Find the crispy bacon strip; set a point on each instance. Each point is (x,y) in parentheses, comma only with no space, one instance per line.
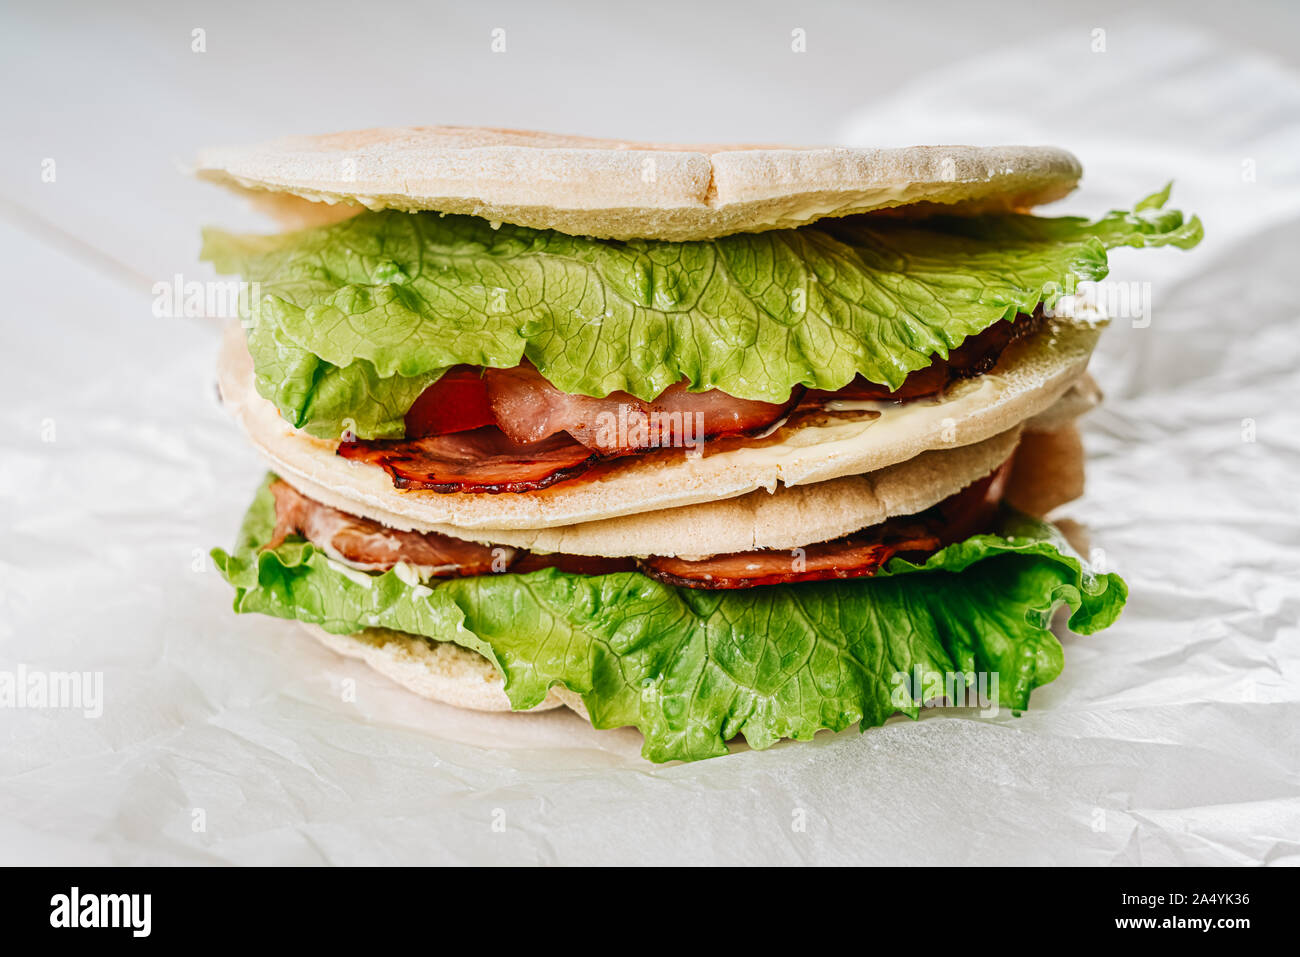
(528,409)
(370,544)
(855,556)
(975,356)
(480,460)
(575,564)
(377,547)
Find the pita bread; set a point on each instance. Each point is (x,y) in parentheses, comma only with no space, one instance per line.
(623,190)
(1082,397)
(294,213)
(1031,376)
(437,670)
(1048,471)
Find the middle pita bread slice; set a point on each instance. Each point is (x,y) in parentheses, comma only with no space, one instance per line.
(1032,374)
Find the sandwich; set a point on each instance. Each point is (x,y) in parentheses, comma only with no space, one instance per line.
(719,443)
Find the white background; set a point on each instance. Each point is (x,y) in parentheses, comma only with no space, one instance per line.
(1171,738)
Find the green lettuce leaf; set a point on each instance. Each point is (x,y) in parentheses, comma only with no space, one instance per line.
(330,401)
(692,669)
(372,309)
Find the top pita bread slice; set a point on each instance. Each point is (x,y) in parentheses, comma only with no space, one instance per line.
(623,190)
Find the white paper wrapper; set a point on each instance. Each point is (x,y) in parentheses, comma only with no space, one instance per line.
(1170,738)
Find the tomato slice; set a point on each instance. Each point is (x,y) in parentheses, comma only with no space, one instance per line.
(457,402)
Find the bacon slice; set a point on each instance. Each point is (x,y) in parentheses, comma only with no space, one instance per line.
(975,356)
(375,547)
(371,545)
(480,460)
(528,409)
(855,556)
(574,564)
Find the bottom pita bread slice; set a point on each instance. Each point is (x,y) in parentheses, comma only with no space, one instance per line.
(438,670)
